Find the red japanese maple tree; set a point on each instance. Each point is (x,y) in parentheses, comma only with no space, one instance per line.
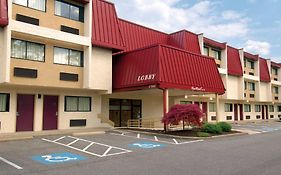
(190,114)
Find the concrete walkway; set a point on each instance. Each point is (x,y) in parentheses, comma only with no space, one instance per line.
(32,134)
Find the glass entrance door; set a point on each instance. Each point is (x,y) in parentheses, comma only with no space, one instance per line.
(121,110)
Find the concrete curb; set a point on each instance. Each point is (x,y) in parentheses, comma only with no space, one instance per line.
(88,133)
(185,137)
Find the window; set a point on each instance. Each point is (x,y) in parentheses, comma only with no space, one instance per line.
(258,108)
(212,107)
(185,102)
(35,4)
(228,117)
(271,116)
(249,63)
(27,50)
(228,107)
(216,54)
(275,90)
(252,64)
(4,102)
(206,51)
(247,108)
(274,71)
(77,104)
(69,11)
(68,57)
(213,118)
(248,117)
(279,108)
(271,108)
(251,86)
(258,117)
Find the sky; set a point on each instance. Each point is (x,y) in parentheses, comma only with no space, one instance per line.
(254,25)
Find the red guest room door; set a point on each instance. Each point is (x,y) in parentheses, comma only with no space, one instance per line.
(25,112)
(50,112)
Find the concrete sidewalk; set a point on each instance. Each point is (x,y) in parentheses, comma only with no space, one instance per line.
(32,134)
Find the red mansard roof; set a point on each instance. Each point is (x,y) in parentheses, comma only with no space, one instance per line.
(233,62)
(273,64)
(214,43)
(106,31)
(251,56)
(164,66)
(137,36)
(185,40)
(3,13)
(264,73)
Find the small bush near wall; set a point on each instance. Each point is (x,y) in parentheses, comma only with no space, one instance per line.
(226,127)
(203,134)
(212,128)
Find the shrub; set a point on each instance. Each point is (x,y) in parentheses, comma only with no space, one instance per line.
(226,127)
(202,134)
(212,128)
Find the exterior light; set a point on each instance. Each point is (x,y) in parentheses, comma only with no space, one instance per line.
(185,96)
(247,101)
(211,98)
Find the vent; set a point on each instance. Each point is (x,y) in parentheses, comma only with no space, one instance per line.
(27,19)
(27,73)
(228,117)
(69,30)
(258,116)
(252,95)
(271,116)
(68,77)
(276,98)
(248,117)
(275,79)
(78,122)
(213,118)
(251,73)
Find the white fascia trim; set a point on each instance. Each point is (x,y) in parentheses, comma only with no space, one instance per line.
(251,77)
(222,71)
(49,33)
(276,82)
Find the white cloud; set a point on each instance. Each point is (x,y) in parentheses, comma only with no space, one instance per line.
(259,47)
(169,16)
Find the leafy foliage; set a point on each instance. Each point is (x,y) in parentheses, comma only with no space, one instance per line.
(212,128)
(226,127)
(190,114)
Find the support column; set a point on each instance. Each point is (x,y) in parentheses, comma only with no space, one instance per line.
(217,108)
(165,103)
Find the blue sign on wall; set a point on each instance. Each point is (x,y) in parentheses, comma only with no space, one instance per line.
(57,158)
(146,145)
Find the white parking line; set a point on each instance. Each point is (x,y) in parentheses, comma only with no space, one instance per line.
(91,143)
(11,163)
(173,141)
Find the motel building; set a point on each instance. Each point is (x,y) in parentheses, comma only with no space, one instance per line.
(67,64)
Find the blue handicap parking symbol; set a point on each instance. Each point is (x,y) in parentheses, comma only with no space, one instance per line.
(57,158)
(146,145)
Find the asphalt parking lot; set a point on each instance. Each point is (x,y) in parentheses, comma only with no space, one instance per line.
(259,127)
(52,153)
(127,153)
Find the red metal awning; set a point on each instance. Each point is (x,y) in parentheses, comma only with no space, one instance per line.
(264,72)
(163,66)
(106,32)
(3,13)
(234,66)
(251,56)
(214,43)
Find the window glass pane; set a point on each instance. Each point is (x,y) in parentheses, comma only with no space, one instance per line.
(60,55)
(247,108)
(257,108)
(252,86)
(217,54)
(252,65)
(212,107)
(271,108)
(62,9)
(18,49)
(74,13)
(185,102)
(71,104)
(37,4)
(35,51)
(20,2)
(228,107)
(206,51)
(75,58)
(84,104)
(4,103)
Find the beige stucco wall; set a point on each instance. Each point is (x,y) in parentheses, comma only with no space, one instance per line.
(235,87)
(47,19)
(101,69)
(48,72)
(8,119)
(264,92)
